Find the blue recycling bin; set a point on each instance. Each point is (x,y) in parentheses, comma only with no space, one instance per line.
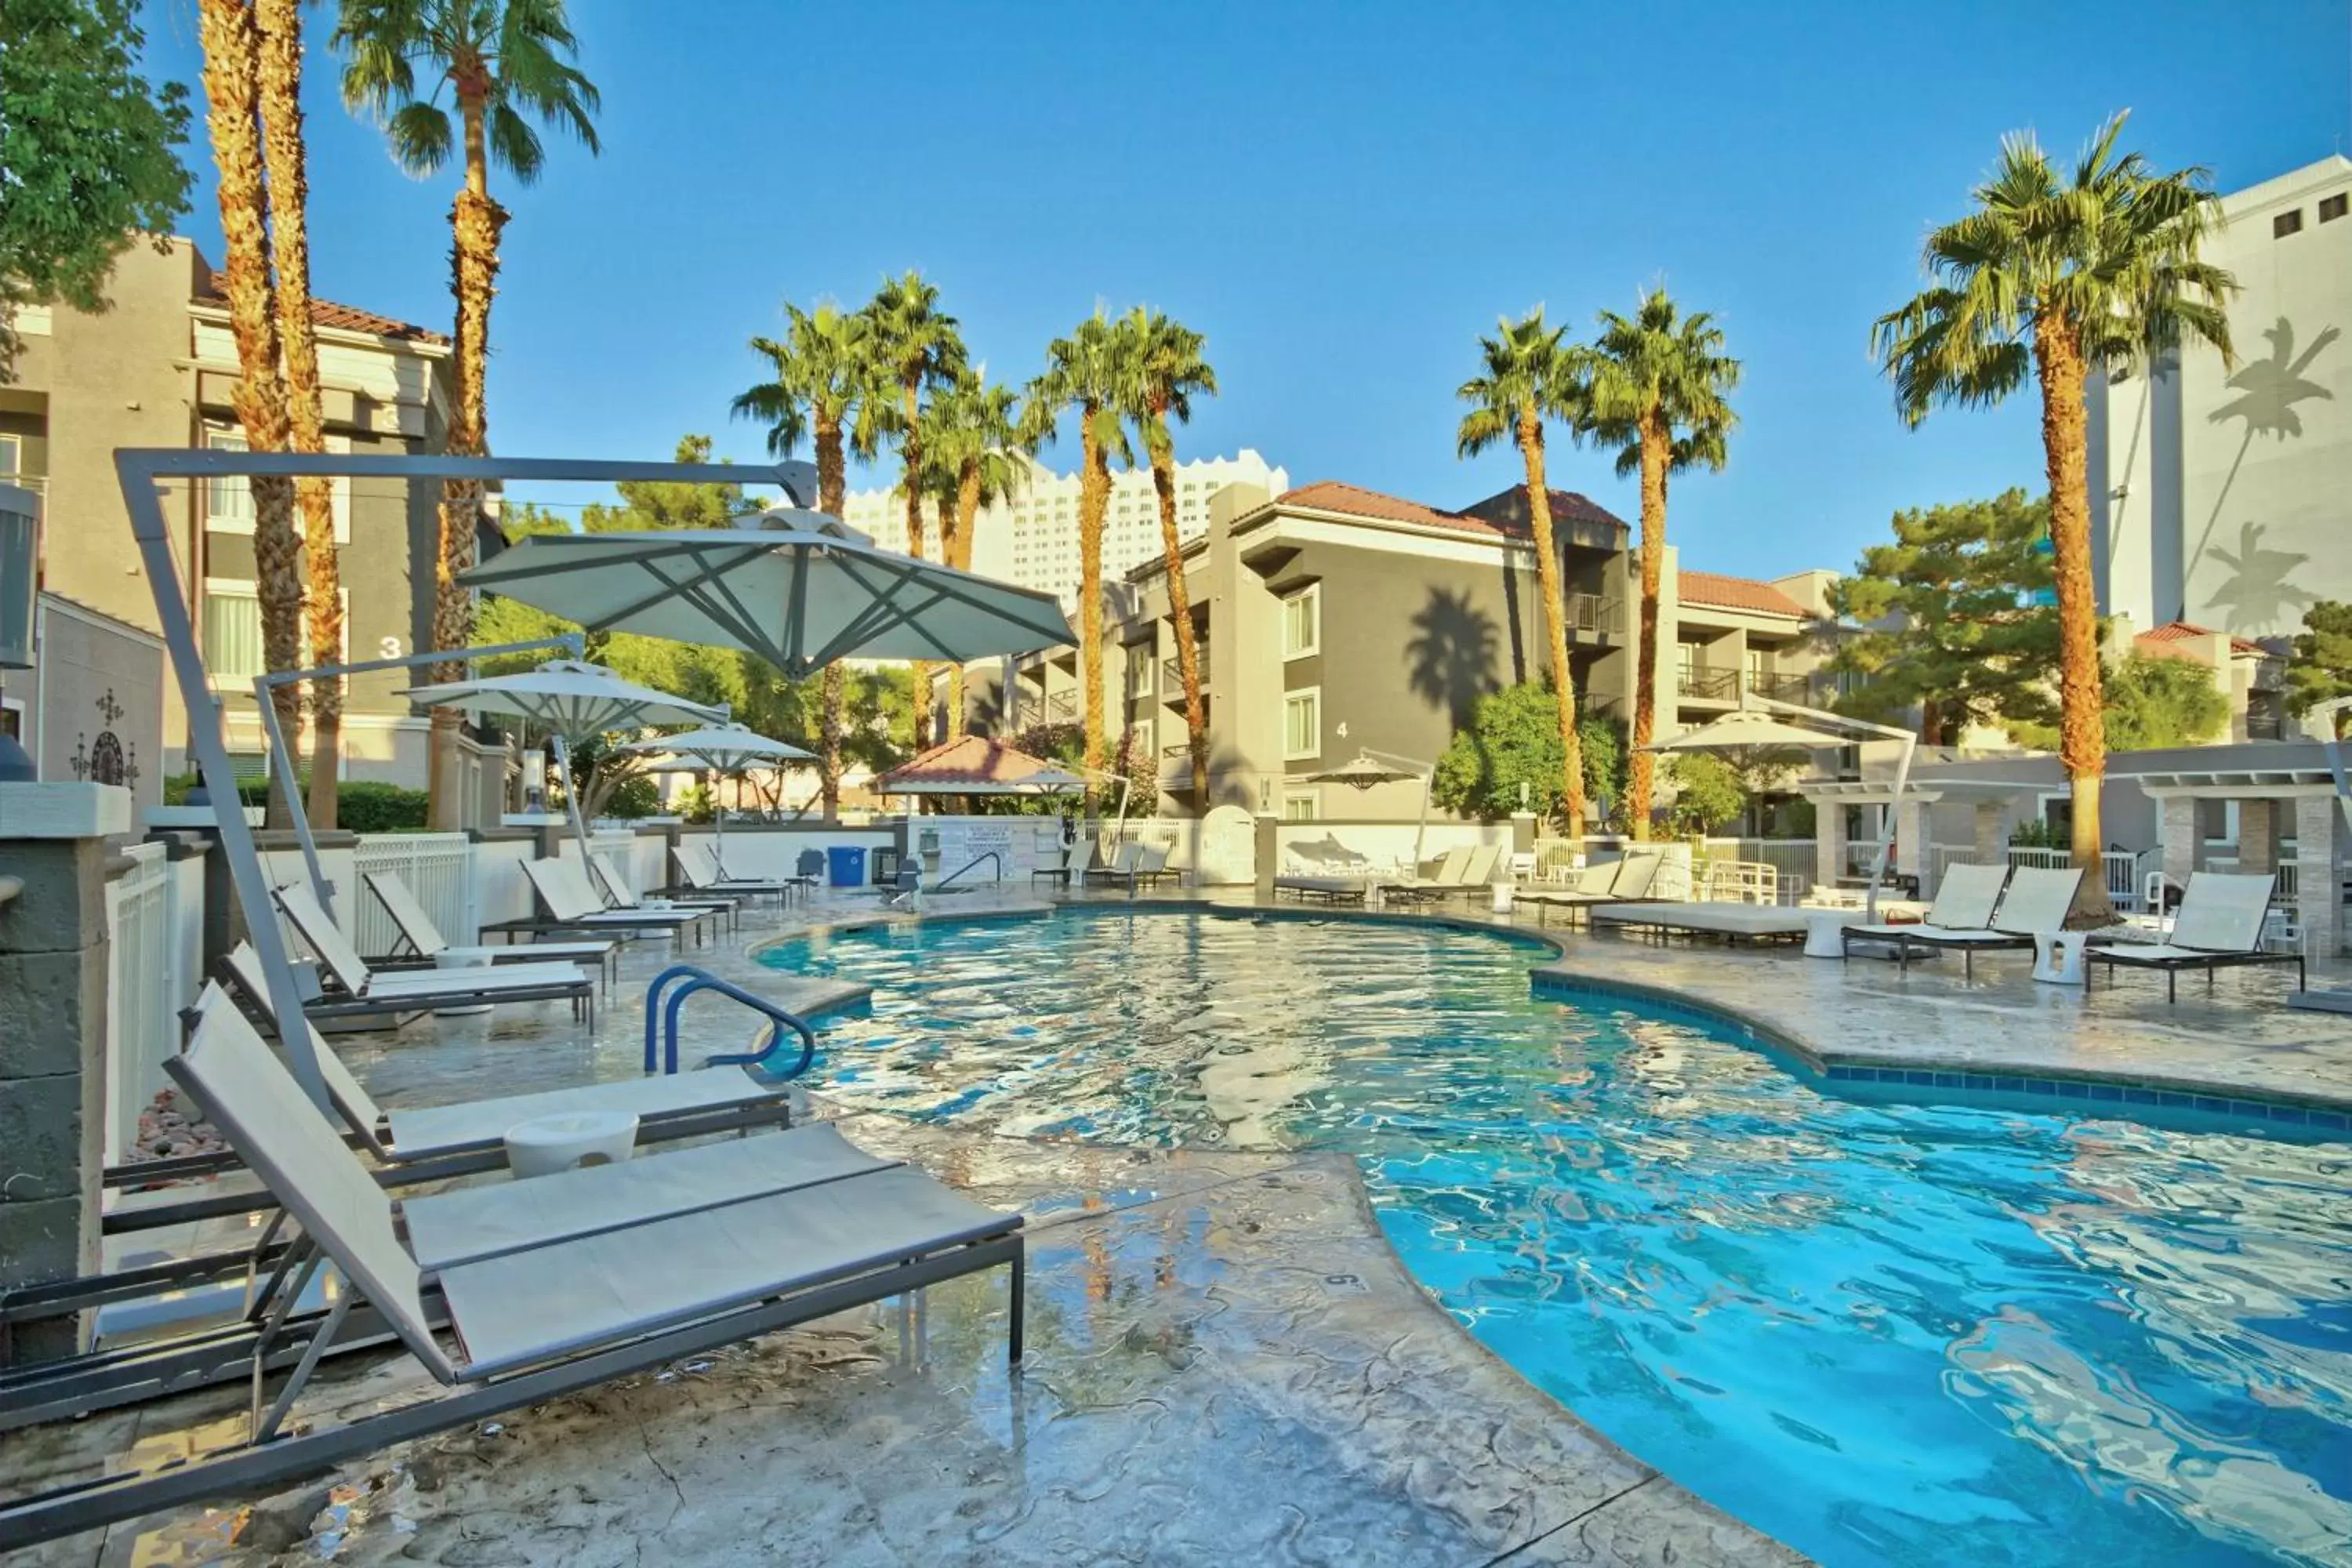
(846,865)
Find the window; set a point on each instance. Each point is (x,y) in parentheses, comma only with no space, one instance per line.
(2332,207)
(12,454)
(232,632)
(1301,805)
(2287,223)
(1302,724)
(228,502)
(1140,669)
(1302,622)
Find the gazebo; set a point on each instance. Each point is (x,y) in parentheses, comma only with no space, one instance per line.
(975,764)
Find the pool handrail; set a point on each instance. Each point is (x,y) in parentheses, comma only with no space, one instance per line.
(680,981)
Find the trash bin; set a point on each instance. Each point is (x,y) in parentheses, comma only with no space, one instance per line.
(846,865)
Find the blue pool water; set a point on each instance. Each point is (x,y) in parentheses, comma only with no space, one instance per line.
(1884,1332)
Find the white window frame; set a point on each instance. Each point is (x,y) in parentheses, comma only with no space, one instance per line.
(1151,662)
(1313,694)
(1310,797)
(248,589)
(12,454)
(1310,594)
(229,438)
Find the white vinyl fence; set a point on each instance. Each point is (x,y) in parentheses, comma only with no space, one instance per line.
(143,989)
(439,868)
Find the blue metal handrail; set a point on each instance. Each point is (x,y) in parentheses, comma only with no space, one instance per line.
(663,1011)
(944,883)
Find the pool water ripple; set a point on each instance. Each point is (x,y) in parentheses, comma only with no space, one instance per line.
(1883,1331)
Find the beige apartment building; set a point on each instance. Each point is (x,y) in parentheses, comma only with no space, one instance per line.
(159,368)
(1331,619)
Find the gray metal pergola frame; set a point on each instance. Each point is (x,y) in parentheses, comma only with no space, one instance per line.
(140,471)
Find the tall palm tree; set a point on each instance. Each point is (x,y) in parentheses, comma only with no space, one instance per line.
(232,76)
(1531,375)
(974,443)
(917,349)
(1170,370)
(1657,389)
(505,62)
(1091,371)
(280,25)
(824,373)
(2055,277)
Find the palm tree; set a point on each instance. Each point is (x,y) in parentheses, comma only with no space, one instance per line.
(917,348)
(505,62)
(1657,390)
(280,25)
(232,69)
(974,442)
(2055,277)
(1531,375)
(1092,371)
(1170,369)
(824,373)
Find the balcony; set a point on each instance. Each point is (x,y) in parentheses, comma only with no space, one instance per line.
(1707,685)
(1796,688)
(1589,614)
(1171,680)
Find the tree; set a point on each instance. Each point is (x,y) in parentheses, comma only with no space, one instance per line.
(279,22)
(1530,375)
(505,62)
(975,442)
(2321,667)
(2154,702)
(917,349)
(91,151)
(2056,278)
(1954,623)
(1709,791)
(1092,371)
(1512,745)
(1657,390)
(232,48)
(1170,369)
(822,375)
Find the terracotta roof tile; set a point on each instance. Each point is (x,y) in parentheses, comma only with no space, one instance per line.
(1744,594)
(327,313)
(2181,631)
(1331,495)
(971,761)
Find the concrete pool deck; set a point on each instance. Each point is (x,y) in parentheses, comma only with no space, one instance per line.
(1227,1362)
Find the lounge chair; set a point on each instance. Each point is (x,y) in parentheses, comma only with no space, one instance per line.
(2219,926)
(1478,871)
(367,993)
(423,941)
(1447,878)
(607,879)
(570,904)
(1321,889)
(2034,902)
(1625,880)
(699,868)
(1965,900)
(1735,921)
(545,1288)
(1077,860)
(1121,866)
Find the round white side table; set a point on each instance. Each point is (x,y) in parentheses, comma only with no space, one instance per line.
(461,961)
(2058,957)
(1825,931)
(1502,894)
(566,1141)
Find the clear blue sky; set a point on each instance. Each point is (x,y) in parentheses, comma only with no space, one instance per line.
(1341,196)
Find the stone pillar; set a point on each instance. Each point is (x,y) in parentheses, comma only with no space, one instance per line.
(2178,831)
(1990,849)
(2257,835)
(53,1001)
(1913,852)
(2319,907)
(1268,855)
(1829,842)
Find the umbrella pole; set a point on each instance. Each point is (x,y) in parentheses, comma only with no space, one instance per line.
(572,806)
(718,823)
(1886,832)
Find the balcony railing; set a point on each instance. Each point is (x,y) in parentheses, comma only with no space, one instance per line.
(1592,616)
(1708,685)
(1795,689)
(1171,678)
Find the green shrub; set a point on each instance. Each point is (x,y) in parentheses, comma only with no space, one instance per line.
(368,807)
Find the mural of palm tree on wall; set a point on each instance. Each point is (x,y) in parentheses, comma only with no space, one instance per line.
(2267,389)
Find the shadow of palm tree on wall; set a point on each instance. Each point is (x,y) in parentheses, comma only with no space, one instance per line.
(2268,390)
(2257,595)
(1449,659)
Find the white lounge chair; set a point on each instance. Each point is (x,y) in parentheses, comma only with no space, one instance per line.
(1121,864)
(607,879)
(366,991)
(2034,902)
(1478,870)
(699,868)
(1965,900)
(1624,880)
(533,1308)
(563,890)
(1735,921)
(1447,878)
(1077,860)
(2217,926)
(1321,889)
(423,941)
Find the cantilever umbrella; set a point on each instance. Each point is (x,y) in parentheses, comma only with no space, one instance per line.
(797,588)
(727,750)
(573,700)
(1368,768)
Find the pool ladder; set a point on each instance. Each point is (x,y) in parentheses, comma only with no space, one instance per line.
(665,1000)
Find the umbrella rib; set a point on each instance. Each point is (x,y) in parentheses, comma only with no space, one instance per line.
(733,618)
(672,587)
(887,610)
(489,574)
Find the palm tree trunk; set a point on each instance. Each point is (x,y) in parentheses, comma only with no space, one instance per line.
(232,85)
(958,551)
(280,23)
(910,451)
(474,222)
(2082,724)
(1179,609)
(1642,769)
(1094,500)
(832,487)
(1555,603)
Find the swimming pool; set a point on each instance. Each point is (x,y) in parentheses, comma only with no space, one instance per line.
(1881,1331)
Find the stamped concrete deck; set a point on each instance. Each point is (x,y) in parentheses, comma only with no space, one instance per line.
(1226,1361)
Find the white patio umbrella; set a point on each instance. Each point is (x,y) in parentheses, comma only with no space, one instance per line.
(573,700)
(1757,729)
(797,588)
(1368,768)
(727,750)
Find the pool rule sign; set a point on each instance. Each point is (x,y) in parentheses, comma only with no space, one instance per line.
(963,839)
